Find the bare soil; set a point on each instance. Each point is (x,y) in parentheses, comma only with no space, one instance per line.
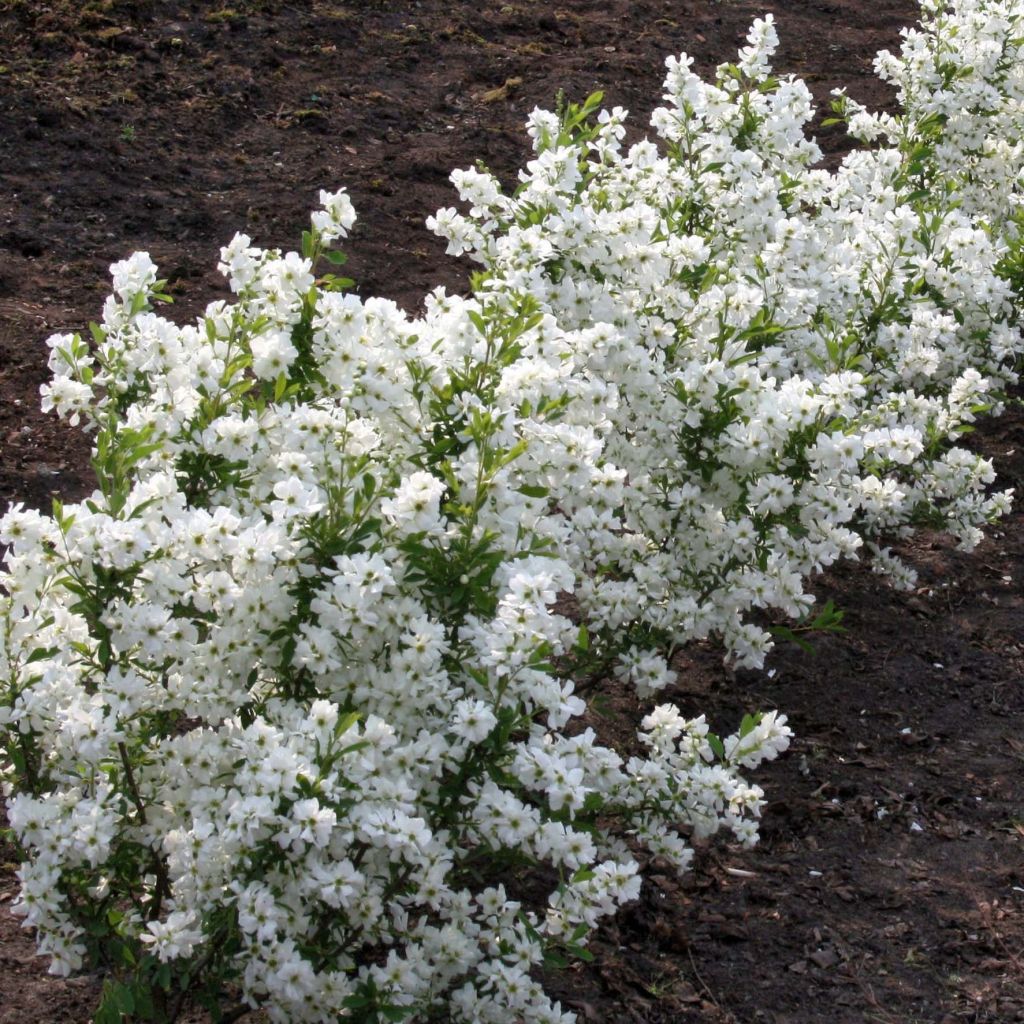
(889,883)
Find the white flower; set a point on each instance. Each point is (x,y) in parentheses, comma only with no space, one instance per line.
(473,720)
(175,937)
(272,354)
(336,217)
(415,507)
(133,276)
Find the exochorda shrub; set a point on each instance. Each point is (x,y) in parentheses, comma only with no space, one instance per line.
(282,698)
(284,692)
(786,353)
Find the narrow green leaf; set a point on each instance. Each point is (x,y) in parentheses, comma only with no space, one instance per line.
(534,492)
(583,638)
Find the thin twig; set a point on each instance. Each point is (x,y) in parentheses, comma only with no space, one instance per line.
(703,984)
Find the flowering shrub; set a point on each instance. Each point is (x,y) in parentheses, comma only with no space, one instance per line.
(286,698)
(783,354)
(284,692)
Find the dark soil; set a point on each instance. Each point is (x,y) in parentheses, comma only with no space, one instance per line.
(889,884)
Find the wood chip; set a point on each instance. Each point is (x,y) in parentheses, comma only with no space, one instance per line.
(499,94)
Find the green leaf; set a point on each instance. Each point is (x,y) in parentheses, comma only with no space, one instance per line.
(785,633)
(144,1007)
(477,321)
(583,638)
(389,1012)
(116,1002)
(345,723)
(337,284)
(749,724)
(106,1014)
(534,492)
(581,953)
(40,654)
(163,977)
(829,618)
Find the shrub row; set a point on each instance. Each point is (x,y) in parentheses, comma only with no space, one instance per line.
(292,705)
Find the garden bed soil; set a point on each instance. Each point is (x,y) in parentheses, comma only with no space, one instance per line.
(889,882)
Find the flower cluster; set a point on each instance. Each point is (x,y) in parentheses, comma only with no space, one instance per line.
(286,698)
(281,695)
(781,357)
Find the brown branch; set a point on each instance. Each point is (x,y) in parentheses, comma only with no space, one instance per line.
(163,887)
